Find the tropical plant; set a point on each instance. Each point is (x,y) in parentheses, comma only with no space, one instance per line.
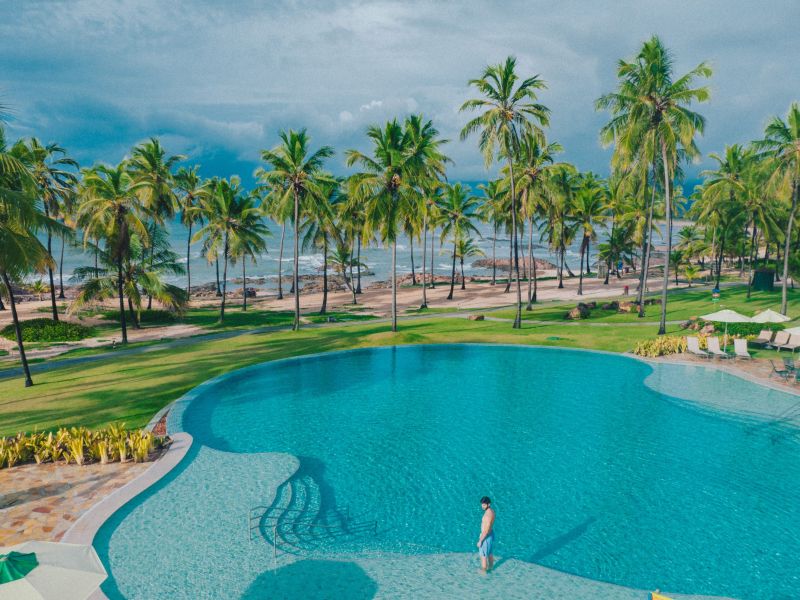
(296,173)
(508,111)
(459,209)
(781,147)
(465,248)
(191,190)
(651,123)
(691,272)
(233,227)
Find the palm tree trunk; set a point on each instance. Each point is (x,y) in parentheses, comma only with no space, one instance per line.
(494,256)
(518,318)
(296,261)
(453,272)
(662,327)
(753,249)
(216,265)
(510,263)
(463,280)
(61,295)
(352,281)
(224,279)
(580,274)
(433,242)
(394,284)
(413,272)
(786,249)
(152,254)
(96,268)
(424,259)
(324,307)
(358,265)
(720,256)
(646,244)
(244,285)
(2,306)
(588,255)
(18,331)
(188,263)
(562,256)
(280,262)
(50,268)
(132,312)
(122,321)
(531,266)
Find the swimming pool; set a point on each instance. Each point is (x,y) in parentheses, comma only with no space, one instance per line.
(594,465)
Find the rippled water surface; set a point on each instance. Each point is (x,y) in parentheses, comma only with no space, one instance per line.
(591,471)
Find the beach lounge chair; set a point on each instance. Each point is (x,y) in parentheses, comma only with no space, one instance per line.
(764,338)
(793,343)
(788,364)
(740,348)
(693,346)
(783,373)
(780,338)
(714,349)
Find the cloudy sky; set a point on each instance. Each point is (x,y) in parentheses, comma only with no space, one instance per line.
(217,80)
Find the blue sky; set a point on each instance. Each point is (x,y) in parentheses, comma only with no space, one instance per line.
(217,81)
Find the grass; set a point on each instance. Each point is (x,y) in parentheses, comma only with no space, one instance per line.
(337,316)
(681,306)
(131,388)
(431,311)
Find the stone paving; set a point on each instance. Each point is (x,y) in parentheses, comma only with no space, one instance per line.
(41,502)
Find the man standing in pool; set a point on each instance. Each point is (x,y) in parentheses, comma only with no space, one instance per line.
(486,539)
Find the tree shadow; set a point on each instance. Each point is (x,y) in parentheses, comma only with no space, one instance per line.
(560,541)
(313,580)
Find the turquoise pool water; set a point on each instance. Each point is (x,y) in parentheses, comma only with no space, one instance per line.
(387,451)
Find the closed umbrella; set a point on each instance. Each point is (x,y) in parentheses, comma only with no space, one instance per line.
(770,316)
(49,570)
(726,316)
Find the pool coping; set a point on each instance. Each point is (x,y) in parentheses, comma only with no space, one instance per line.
(84,530)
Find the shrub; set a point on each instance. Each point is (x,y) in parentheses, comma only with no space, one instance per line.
(47,330)
(660,346)
(746,329)
(79,445)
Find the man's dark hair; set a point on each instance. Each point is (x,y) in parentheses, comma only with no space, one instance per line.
(486,500)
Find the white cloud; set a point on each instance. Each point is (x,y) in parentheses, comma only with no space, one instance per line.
(345,116)
(372,104)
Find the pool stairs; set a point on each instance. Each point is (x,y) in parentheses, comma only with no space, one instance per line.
(295,522)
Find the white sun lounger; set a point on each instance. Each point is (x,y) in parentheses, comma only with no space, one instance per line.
(714,349)
(693,346)
(780,339)
(740,348)
(793,343)
(764,338)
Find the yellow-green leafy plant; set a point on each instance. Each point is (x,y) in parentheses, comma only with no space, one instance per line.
(141,442)
(77,443)
(660,346)
(36,442)
(100,450)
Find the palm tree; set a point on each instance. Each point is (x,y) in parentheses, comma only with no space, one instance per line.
(536,164)
(389,175)
(558,227)
(588,211)
(249,240)
(493,210)
(466,247)
(298,173)
(143,271)
(651,123)
(233,224)
(21,252)
(110,209)
(691,271)
(781,146)
(191,189)
(151,169)
(321,231)
(54,185)
(459,210)
(508,111)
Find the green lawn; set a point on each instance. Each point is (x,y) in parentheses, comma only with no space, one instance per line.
(132,388)
(681,305)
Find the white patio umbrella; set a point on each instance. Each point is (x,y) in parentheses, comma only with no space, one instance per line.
(64,572)
(770,316)
(726,316)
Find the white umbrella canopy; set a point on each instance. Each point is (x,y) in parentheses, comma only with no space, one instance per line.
(770,316)
(65,572)
(727,316)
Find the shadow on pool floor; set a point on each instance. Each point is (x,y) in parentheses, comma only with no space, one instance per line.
(313,580)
